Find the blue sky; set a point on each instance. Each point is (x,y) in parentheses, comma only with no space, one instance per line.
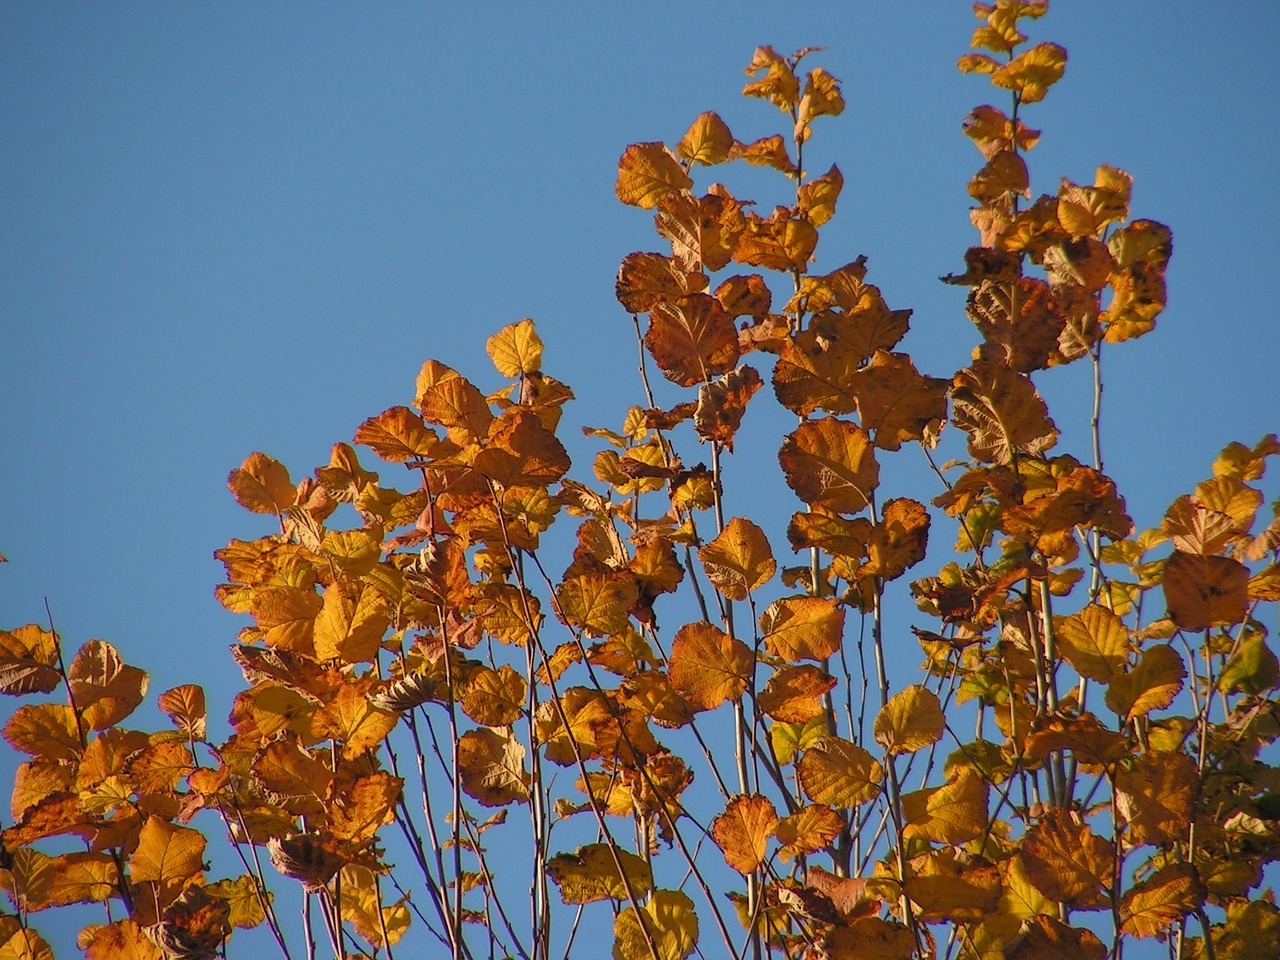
(234,227)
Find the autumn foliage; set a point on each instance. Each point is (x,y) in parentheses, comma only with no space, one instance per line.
(688,727)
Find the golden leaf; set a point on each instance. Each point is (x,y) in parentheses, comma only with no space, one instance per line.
(707,666)
(121,940)
(1030,74)
(707,141)
(351,622)
(1002,413)
(362,907)
(495,698)
(742,832)
(351,719)
(802,628)
(781,242)
(184,705)
(361,806)
(738,560)
(244,898)
(295,779)
(821,98)
(794,693)
(911,720)
(456,404)
(397,435)
(516,349)
(1095,642)
(287,616)
(106,689)
(816,200)
(1152,906)
(946,889)
(82,878)
(1046,938)
(598,603)
(647,172)
(1156,797)
(830,463)
(166,852)
(262,485)
(491,765)
(1067,861)
(952,813)
(1150,685)
(591,874)
(815,373)
(671,922)
(808,830)
(28,660)
(838,773)
(898,541)
(870,938)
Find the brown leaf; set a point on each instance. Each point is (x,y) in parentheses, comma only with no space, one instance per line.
(692,339)
(1002,413)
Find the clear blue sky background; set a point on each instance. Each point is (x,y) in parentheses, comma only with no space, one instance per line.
(228,227)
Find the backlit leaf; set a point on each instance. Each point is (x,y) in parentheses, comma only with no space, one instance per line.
(911,720)
(647,172)
(952,813)
(794,693)
(398,434)
(1020,322)
(1151,685)
(897,542)
(722,403)
(671,922)
(1032,72)
(491,763)
(262,485)
(830,463)
(1095,642)
(802,628)
(352,720)
(105,687)
(28,660)
(167,852)
(244,899)
(808,830)
(495,698)
(1002,413)
(184,705)
(456,404)
(1163,899)
(121,940)
(707,141)
(896,404)
(516,349)
(707,666)
(738,560)
(647,278)
(1067,861)
(742,832)
(838,773)
(598,603)
(362,806)
(591,874)
(1156,797)
(816,199)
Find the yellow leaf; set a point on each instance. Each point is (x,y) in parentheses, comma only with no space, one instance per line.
(591,874)
(262,485)
(106,688)
(516,349)
(167,852)
(647,172)
(28,660)
(1067,861)
(1150,685)
(817,198)
(598,603)
(495,698)
(351,622)
(351,719)
(898,541)
(1156,797)
(1095,642)
(707,141)
(775,81)
(739,559)
(742,832)
(952,813)
(1032,72)
(82,878)
(671,922)
(911,720)
(808,830)
(244,898)
(839,773)
(363,805)
(121,940)
(707,666)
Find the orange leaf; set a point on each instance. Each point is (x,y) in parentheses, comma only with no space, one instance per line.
(184,705)
(364,805)
(351,622)
(1067,861)
(598,603)
(821,98)
(456,404)
(1163,899)
(896,404)
(28,660)
(495,698)
(1020,322)
(1031,73)
(647,172)
(121,940)
(816,373)
(839,773)
(1202,592)
(707,666)
(692,339)
(106,688)
(802,628)
(808,830)
(911,720)
(1156,797)
(794,694)
(739,559)
(352,720)
(167,852)
(952,813)
(398,435)
(1002,413)
(816,200)
(742,832)
(775,81)
(647,278)
(262,485)
(898,541)
(707,141)
(830,463)
(722,403)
